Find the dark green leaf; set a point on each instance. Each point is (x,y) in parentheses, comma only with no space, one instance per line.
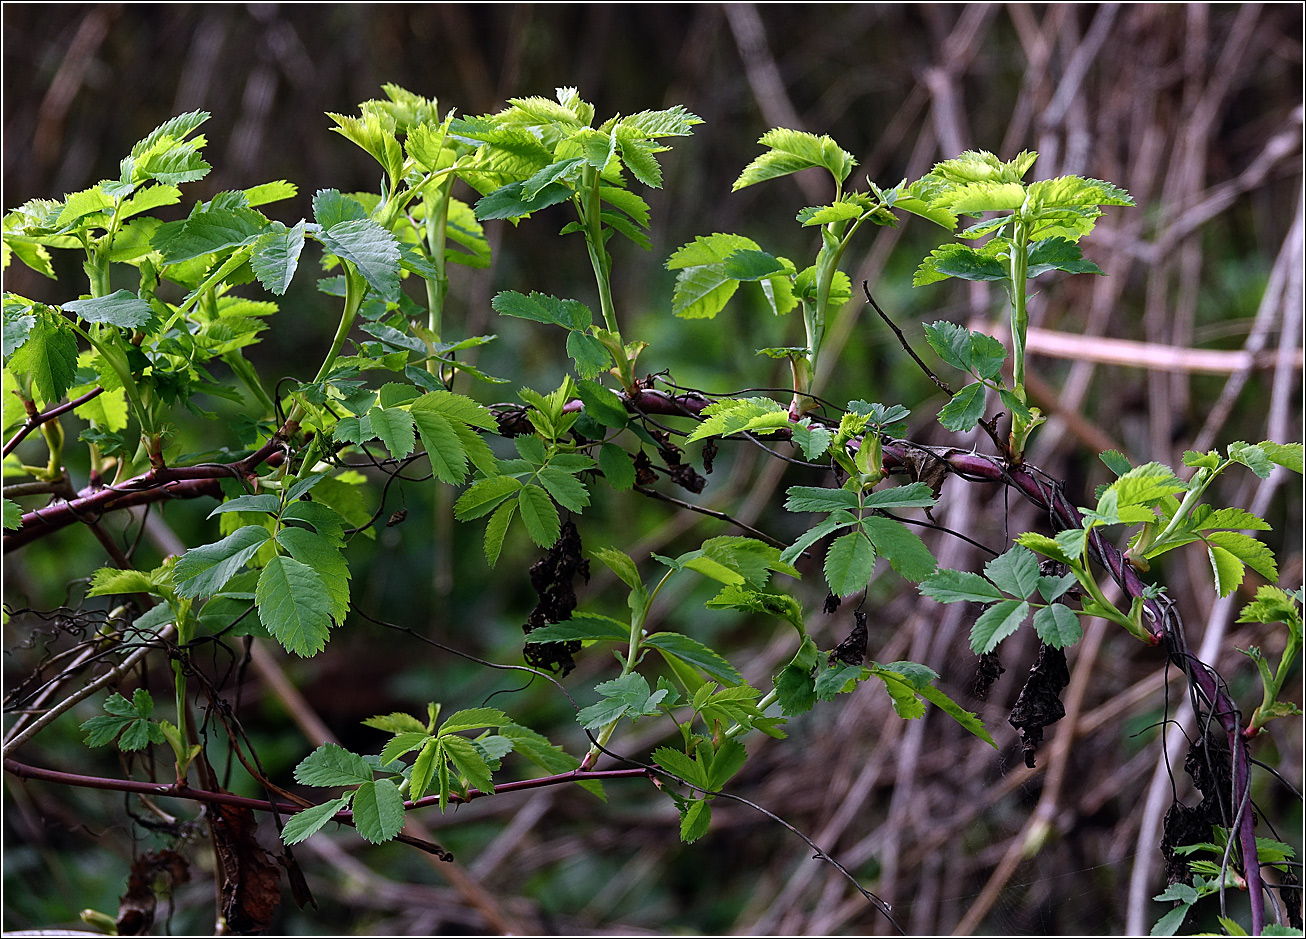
(120,308)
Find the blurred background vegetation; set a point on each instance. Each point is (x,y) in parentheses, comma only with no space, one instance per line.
(1194,108)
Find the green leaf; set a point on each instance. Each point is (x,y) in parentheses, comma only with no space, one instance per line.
(965,409)
(678,764)
(566,489)
(602,404)
(997,623)
(592,358)
(308,821)
(695,820)
(949,586)
(731,415)
(1014,572)
(837,678)
(203,571)
(703,286)
(394,426)
(264,502)
(627,696)
(794,150)
(903,549)
(813,438)
(963,262)
(1146,485)
(1057,625)
(1287,455)
(108,581)
(912,495)
(318,552)
(539,515)
(371,249)
(795,690)
(617,466)
(404,742)
(469,763)
(295,605)
(378,810)
(49,357)
(510,201)
(903,693)
(696,654)
(581,626)
(496,529)
(396,722)
(443,446)
(849,563)
(836,521)
(966,719)
(816,499)
(13,515)
(120,308)
(276,257)
(332,765)
(1058,254)
(542,308)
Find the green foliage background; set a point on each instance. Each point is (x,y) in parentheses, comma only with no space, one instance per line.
(1189,107)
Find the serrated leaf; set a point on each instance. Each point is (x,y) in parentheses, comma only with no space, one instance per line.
(592,358)
(443,446)
(678,764)
(849,564)
(496,529)
(332,765)
(696,654)
(394,427)
(49,357)
(1057,626)
(997,623)
(903,549)
(542,308)
(730,415)
(836,521)
(963,262)
(965,409)
(949,586)
(295,605)
(324,557)
(395,722)
(581,626)
(966,719)
(816,499)
(371,249)
(791,151)
(510,202)
(695,820)
(403,742)
(1015,572)
(602,404)
(617,466)
(378,810)
(1255,554)
(202,571)
(308,821)
(912,495)
(276,257)
(539,515)
(120,308)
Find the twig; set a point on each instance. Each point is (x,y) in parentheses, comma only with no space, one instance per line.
(36,420)
(902,340)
